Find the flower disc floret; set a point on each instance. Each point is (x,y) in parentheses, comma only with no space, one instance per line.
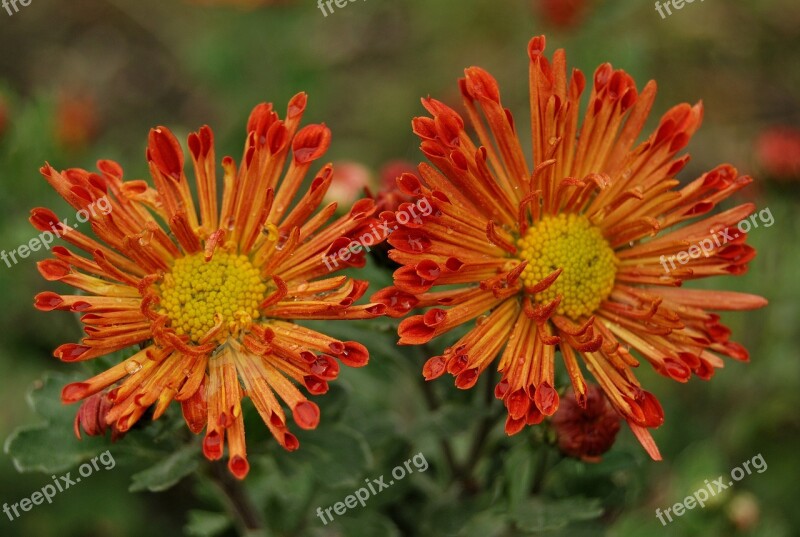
(572,243)
(194,291)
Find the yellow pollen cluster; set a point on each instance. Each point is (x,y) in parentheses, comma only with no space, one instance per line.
(570,242)
(195,290)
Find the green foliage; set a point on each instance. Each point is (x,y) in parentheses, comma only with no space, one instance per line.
(365,67)
(50,446)
(537,515)
(168,471)
(206,524)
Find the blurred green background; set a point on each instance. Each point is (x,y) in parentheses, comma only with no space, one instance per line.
(86,79)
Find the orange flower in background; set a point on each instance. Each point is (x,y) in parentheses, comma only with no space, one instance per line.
(779,152)
(562,13)
(566,254)
(350,180)
(76,121)
(210,299)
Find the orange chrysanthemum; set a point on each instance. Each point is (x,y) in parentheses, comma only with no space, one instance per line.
(566,254)
(210,301)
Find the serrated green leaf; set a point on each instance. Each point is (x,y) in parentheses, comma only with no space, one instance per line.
(284,491)
(31,447)
(339,455)
(44,397)
(167,472)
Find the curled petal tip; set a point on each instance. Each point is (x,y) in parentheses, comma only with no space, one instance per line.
(311,143)
(238,466)
(74,392)
(306,415)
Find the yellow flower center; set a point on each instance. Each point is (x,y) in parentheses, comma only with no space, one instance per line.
(195,290)
(572,243)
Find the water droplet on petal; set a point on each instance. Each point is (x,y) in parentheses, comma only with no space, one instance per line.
(271,230)
(132,366)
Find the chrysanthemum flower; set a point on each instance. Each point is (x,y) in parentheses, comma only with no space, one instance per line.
(210,299)
(566,254)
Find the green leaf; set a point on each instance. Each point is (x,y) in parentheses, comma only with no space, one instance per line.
(488,523)
(451,515)
(339,455)
(367,524)
(33,447)
(334,403)
(284,491)
(169,471)
(519,472)
(206,524)
(447,421)
(540,514)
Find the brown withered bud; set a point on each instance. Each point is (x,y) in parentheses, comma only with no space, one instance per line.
(586,433)
(91,417)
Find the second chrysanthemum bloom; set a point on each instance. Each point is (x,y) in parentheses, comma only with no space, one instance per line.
(566,254)
(209,294)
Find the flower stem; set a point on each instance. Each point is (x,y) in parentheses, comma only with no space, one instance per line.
(481,435)
(447,449)
(541,471)
(246,516)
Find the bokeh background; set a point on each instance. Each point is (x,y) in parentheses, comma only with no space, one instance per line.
(86,79)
